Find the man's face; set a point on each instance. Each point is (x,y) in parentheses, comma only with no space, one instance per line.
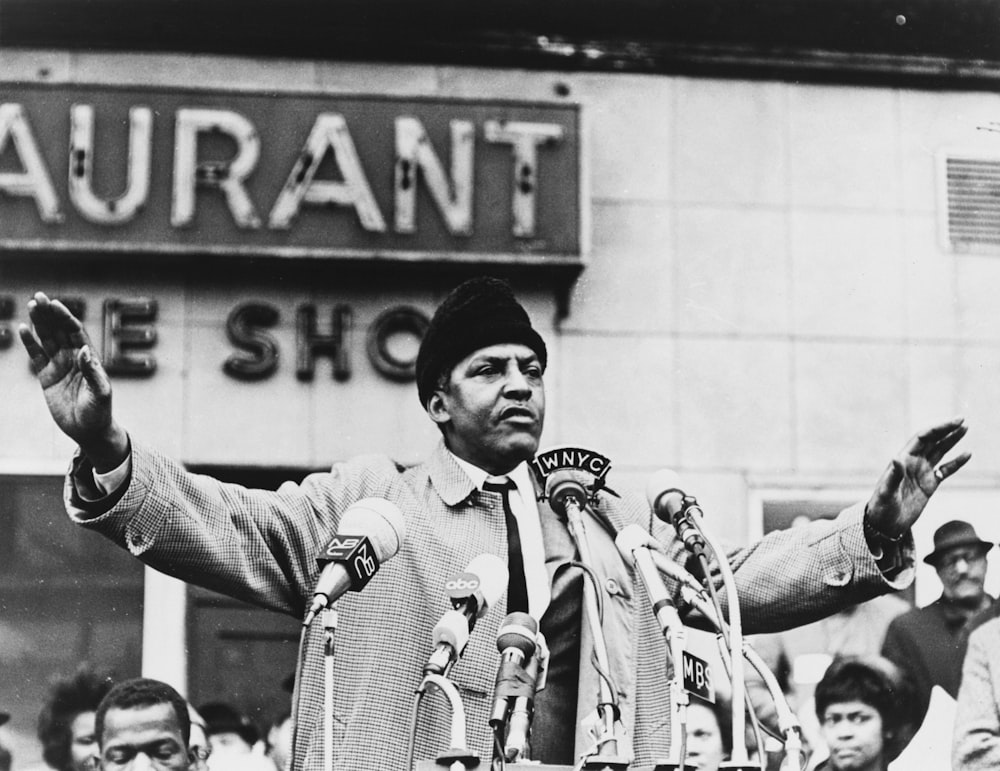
(494,407)
(83,750)
(962,570)
(853,732)
(141,738)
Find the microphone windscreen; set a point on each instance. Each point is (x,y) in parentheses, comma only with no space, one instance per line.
(380,520)
(518,631)
(631,538)
(492,573)
(561,480)
(660,482)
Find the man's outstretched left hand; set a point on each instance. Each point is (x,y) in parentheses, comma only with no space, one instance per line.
(912,477)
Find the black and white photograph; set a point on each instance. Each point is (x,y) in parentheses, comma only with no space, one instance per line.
(437,386)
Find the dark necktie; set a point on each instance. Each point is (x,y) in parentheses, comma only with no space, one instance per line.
(517,588)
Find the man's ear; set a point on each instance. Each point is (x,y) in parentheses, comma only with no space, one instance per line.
(438,409)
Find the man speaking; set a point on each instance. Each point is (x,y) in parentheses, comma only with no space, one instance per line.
(480,378)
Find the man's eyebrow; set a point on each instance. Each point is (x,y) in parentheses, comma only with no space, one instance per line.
(490,358)
(157,744)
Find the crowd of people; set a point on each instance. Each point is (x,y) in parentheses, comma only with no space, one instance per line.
(866,692)
(75,733)
(480,378)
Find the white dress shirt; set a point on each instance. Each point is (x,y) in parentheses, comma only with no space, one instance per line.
(525,509)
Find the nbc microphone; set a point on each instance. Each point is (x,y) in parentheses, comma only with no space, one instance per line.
(472,593)
(370,532)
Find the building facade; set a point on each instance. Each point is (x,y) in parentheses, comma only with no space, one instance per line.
(764,284)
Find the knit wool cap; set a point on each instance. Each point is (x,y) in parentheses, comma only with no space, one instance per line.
(477,313)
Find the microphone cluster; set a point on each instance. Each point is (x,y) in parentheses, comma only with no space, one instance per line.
(673,506)
(523,661)
(371,532)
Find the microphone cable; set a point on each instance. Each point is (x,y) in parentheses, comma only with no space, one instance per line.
(595,581)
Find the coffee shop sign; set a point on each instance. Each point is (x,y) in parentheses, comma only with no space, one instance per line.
(128,335)
(285,174)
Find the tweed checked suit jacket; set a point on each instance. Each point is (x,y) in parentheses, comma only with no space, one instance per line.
(260,546)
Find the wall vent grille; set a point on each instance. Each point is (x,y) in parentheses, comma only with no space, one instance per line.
(971,206)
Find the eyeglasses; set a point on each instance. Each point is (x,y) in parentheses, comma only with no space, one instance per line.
(968,556)
(201,753)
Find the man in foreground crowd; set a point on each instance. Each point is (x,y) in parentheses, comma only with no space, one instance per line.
(480,379)
(143,724)
(929,643)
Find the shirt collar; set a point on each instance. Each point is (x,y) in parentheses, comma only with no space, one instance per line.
(519,475)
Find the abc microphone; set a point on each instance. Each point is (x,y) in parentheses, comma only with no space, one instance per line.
(516,643)
(472,593)
(370,532)
(672,505)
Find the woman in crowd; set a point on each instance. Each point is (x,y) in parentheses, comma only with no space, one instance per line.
(709,734)
(66,723)
(865,710)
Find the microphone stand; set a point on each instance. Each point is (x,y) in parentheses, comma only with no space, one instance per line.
(458,757)
(788,722)
(570,496)
(692,515)
(675,636)
(329,628)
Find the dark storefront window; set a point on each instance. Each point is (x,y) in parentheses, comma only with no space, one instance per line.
(239,653)
(67,596)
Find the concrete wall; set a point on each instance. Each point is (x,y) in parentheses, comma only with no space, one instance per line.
(765,306)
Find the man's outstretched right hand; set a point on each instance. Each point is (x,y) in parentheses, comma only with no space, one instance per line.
(76,386)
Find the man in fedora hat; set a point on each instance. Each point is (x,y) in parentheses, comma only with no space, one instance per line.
(929,643)
(480,378)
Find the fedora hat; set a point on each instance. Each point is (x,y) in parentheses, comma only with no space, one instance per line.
(952,534)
